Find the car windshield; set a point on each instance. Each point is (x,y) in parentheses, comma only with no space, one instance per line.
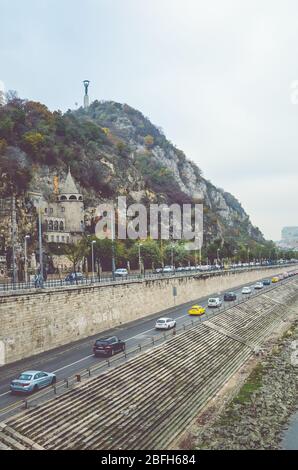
(160,321)
(212,300)
(102,341)
(25,377)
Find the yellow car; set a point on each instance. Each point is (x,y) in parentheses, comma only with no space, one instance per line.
(196,310)
(275,279)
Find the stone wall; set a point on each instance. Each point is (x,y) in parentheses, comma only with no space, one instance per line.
(38,321)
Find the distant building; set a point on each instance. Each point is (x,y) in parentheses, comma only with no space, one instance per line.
(289,238)
(289,233)
(62,220)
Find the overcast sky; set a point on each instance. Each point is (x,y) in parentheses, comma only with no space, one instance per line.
(216,75)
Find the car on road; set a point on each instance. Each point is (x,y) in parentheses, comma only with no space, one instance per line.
(196,310)
(258,285)
(214,302)
(246,290)
(165,323)
(266,282)
(157,270)
(32,381)
(121,272)
(230,296)
(168,269)
(274,279)
(74,277)
(108,346)
(180,269)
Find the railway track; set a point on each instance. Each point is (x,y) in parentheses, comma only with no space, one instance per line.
(146,402)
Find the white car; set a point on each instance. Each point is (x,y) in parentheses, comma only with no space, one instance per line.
(246,290)
(121,272)
(259,285)
(168,269)
(165,324)
(214,302)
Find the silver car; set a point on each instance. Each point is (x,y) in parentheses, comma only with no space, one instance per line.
(32,381)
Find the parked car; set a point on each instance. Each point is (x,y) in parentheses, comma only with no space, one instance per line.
(180,269)
(165,323)
(214,302)
(168,269)
(266,282)
(196,310)
(32,381)
(259,285)
(74,277)
(121,272)
(274,279)
(108,346)
(230,296)
(246,290)
(157,270)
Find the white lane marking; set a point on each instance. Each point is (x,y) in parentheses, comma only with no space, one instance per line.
(73,363)
(6,393)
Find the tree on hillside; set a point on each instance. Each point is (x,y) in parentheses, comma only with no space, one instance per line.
(149,141)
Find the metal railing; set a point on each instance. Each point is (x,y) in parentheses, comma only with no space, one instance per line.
(6,288)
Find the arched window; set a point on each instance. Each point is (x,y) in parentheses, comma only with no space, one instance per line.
(56,225)
(72,198)
(80,198)
(63,198)
(50,225)
(61,226)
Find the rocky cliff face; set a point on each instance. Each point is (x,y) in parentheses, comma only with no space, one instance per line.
(112,149)
(150,154)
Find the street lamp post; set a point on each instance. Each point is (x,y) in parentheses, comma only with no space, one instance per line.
(172,256)
(140,261)
(40,246)
(92,255)
(217,255)
(113,246)
(26,260)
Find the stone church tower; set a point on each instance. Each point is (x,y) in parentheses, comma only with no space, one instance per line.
(71,206)
(63,220)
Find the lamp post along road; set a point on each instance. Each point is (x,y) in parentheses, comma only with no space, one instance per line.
(140,261)
(113,246)
(26,259)
(92,255)
(40,245)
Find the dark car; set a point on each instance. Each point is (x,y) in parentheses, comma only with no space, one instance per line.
(230,296)
(267,282)
(74,277)
(108,346)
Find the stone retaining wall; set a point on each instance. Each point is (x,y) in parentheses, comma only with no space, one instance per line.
(37,321)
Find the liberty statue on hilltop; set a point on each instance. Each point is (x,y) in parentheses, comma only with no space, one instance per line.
(86,96)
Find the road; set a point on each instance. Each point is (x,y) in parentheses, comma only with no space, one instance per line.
(70,359)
